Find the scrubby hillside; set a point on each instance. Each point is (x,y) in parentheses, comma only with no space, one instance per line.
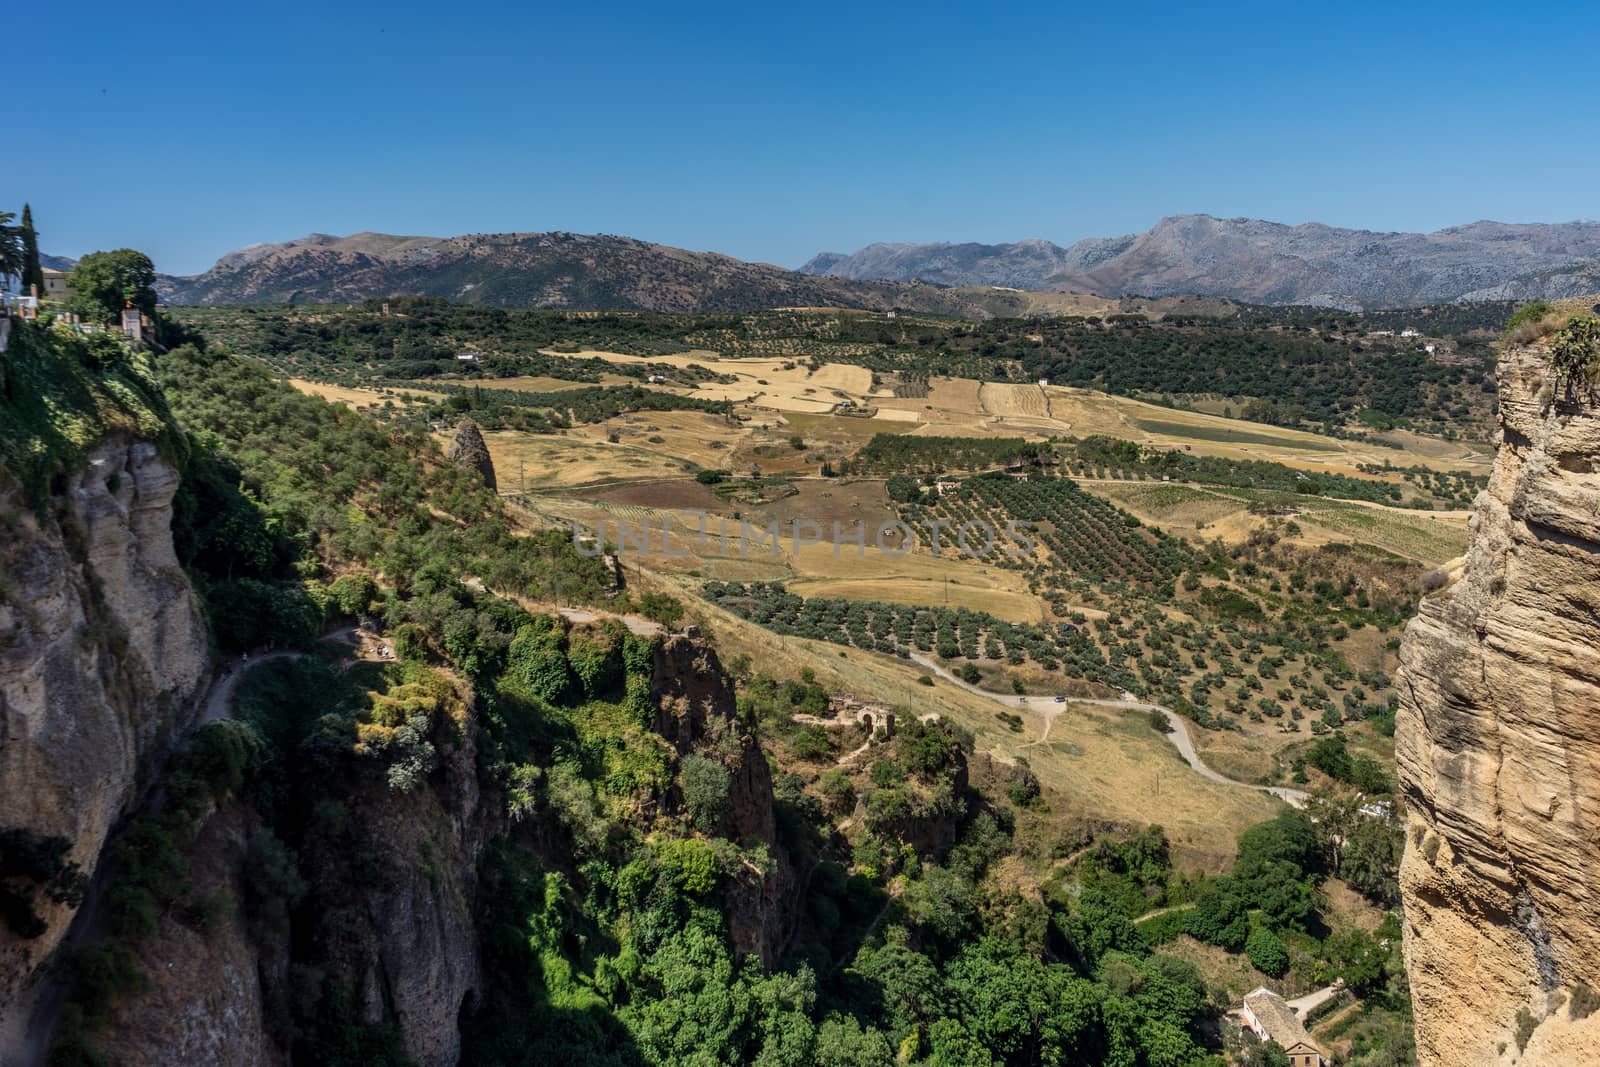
(521,270)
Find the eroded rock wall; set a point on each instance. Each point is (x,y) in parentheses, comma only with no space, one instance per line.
(1498,745)
(103,650)
(697,712)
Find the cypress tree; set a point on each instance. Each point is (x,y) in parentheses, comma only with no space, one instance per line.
(32,272)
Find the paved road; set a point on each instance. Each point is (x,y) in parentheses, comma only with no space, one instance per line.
(1178,735)
(1305,1005)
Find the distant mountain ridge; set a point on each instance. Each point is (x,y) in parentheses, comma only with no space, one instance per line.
(1261,262)
(517,270)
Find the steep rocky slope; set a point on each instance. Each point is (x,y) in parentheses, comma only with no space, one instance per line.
(102,651)
(1499,756)
(554,270)
(1263,262)
(696,711)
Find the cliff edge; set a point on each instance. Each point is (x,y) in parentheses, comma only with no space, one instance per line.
(103,651)
(1498,747)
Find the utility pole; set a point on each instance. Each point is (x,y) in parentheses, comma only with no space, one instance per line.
(522,476)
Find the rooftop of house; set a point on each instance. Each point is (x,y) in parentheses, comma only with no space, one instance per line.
(1277,1018)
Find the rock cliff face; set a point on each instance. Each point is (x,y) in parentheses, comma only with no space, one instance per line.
(696,712)
(389,930)
(103,650)
(1499,751)
(467,449)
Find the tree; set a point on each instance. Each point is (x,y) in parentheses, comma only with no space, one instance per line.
(1266,952)
(32,272)
(105,282)
(706,785)
(10,247)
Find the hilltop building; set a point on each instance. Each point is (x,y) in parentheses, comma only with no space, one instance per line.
(1271,1019)
(55,285)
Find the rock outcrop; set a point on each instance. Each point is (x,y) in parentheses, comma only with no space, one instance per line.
(696,712)
(1498,744)
(468,449)
(103,649)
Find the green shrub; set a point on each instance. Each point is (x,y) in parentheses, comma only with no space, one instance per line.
(1266,952)
(272,883)
(1575,349)
(596,659)
(32,863)
(691,864)
(706,785)
(410,643)
(537,658)
(1526,1025)
(662,608)
(1583,1003)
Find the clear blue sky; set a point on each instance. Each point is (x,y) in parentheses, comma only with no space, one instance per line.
(771,131)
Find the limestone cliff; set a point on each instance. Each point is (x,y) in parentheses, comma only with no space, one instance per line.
(103,650)
(696,712)
(1499,751)
(386,929)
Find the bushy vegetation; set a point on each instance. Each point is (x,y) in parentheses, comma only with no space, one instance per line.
(34,867)
(285,492)
(627,849)
(62,393)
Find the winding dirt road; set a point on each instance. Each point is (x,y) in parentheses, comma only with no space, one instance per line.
(1178,729)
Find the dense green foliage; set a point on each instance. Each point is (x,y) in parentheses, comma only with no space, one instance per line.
(103,283)
(542,412)
(32,867)
(62,393)
(286,491)
(1296,375)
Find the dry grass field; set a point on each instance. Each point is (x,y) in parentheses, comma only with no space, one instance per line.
(768,382)
(361,398)
(536,384)
(541,461)
(1012,605)
(1431,537)
(1002,400)
(1099,764)
(703,439)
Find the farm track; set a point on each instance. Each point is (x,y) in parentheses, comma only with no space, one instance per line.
(1178,728)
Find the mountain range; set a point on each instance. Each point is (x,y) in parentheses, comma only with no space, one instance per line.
(1261,262)
(554,270)
(1242,260)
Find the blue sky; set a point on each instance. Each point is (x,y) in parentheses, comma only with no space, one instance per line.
(771,132)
